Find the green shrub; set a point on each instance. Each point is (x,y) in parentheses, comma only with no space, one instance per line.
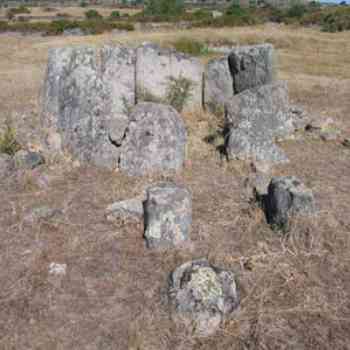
(8,142)
(114,15)
(164,8)
(190,46)
(202,14)
(297,11)
(179,91)
(83,4)
(92,15)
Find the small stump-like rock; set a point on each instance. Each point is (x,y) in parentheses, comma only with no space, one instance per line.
(127,209)
(168,215)
(202,296)
(28,160)
(287,196)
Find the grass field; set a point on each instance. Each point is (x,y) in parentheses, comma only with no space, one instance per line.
(295,289)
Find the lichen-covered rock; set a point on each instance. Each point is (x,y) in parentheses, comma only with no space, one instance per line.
(155,140)
(155,67)
(126,209)
(202,296)
(6,165)
(218,84)
(287,196)
(254,119)
(251,66)
(28,160)
(168,215)
(86,91)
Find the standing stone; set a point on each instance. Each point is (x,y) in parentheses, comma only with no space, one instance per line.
(251,66)
(254,119)
(202,296)
(168,215)
(218,84)
(118,75)
(287,196)
(155,67)
(87,94)
(155,141)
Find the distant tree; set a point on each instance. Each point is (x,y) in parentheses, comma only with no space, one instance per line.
(164,7)
(343,3)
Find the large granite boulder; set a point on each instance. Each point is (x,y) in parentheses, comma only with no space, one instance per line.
(287,196)
(251,66)
(157,67)
(218,84)
(202,296)
(155,140)
(254,119)
(86,90)
(168,215)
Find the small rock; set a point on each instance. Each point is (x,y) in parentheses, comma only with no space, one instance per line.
(202,296)
(168,215)
(40,213)
(346,142)
(28,160)
(6,165)
(73,32)
(257,186)
(130,208)
(287,196)
(57,269)
(330,134)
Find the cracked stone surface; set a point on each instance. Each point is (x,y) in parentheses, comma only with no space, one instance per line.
(168,215)
(202,296)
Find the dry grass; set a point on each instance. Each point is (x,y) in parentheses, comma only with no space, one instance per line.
(294,289)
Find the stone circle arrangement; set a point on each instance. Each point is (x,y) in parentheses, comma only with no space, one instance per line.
(94,110)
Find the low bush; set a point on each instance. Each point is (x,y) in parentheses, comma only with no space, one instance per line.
(59,26)
(170,8)
(190,46)
(93,15)
(179,91)
(8,142)
(114,15)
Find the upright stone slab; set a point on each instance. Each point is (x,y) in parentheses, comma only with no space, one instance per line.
(218,84)
(155,140)
(84,95)
(251,66)
(168,215)
(254,119)
(155,67)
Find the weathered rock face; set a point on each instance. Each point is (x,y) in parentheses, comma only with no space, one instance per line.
(287,196)
(84,96)
(168,215)
(202,296)
(127,209)
(254,118)
(6,165)
(251,66)
(155,140)
(154,68)
(218,84)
